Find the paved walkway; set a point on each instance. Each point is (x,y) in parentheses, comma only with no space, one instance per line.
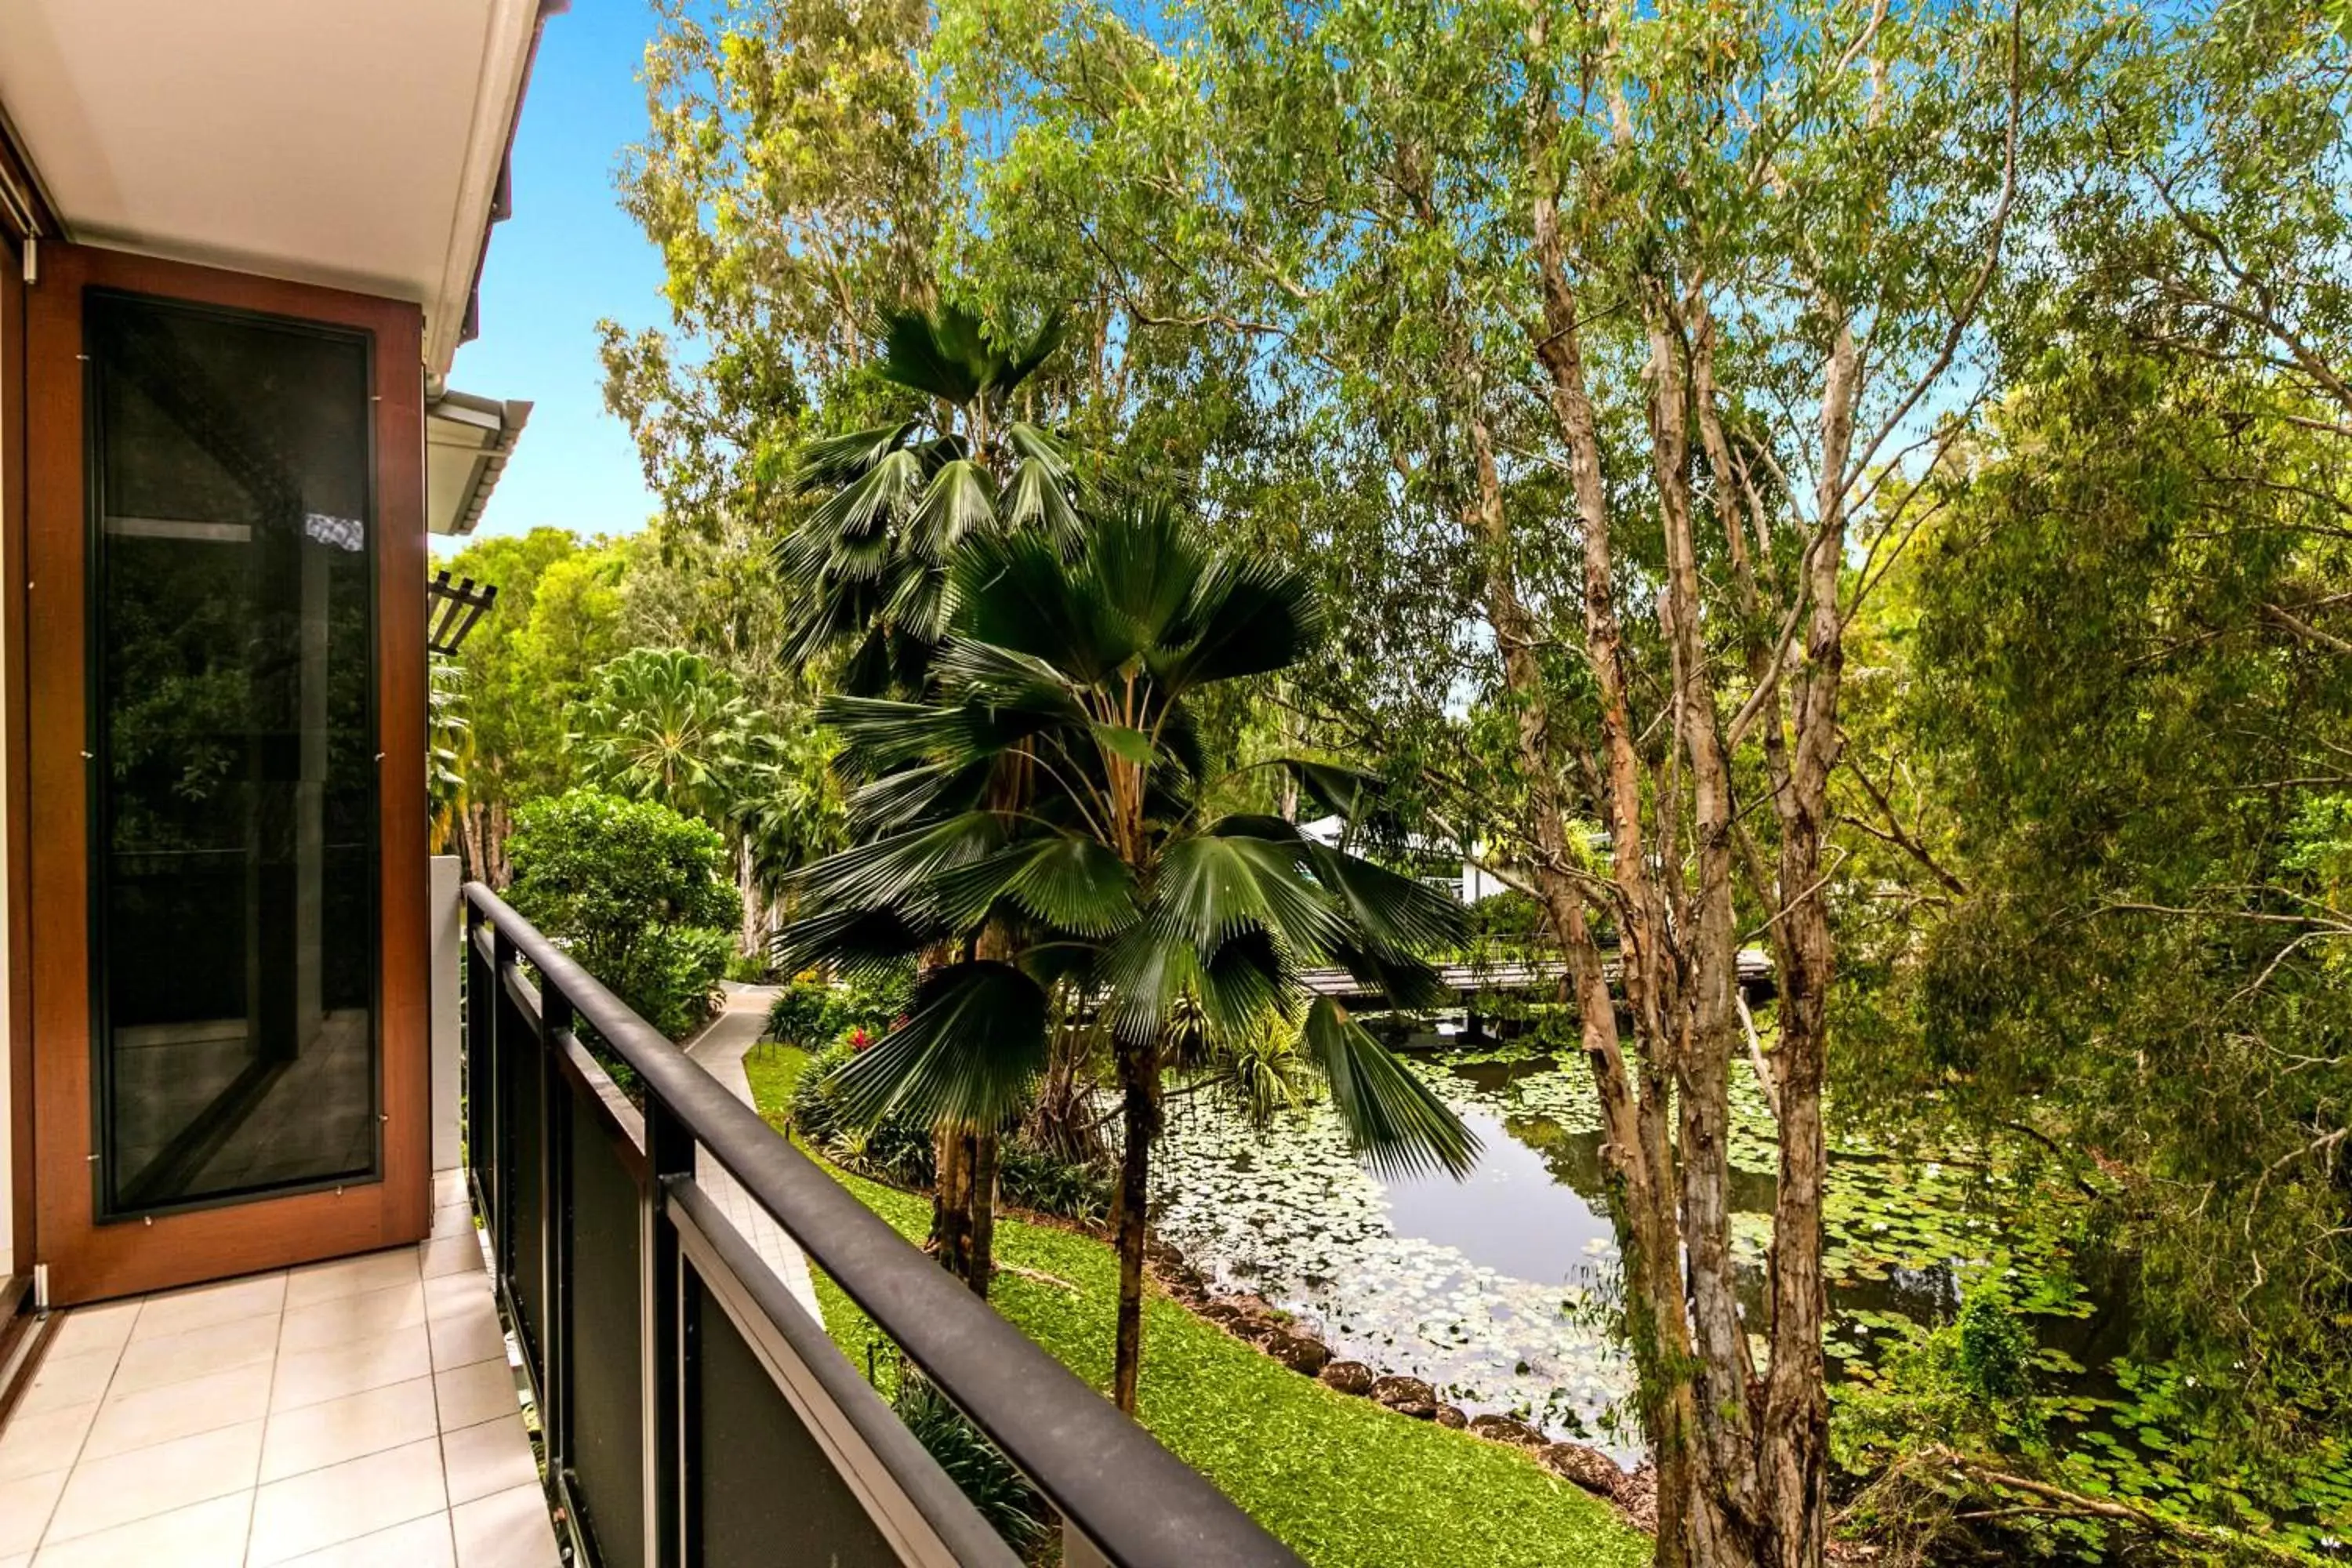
(358,1412)
(722,1047)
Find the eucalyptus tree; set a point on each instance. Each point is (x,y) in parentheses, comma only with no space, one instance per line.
(1038,812)
(1654,320)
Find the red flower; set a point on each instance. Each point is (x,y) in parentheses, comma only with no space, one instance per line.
(858,1040)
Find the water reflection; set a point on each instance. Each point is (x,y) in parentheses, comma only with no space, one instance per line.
(1486,1287)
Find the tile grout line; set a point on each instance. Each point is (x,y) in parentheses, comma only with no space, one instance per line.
(81,1443)
(268,1417)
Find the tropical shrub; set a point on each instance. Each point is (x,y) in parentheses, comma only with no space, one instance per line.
(1001,1494)
(637,893)
(812,1014)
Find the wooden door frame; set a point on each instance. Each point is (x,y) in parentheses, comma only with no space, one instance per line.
(85,1260)
(15,1050)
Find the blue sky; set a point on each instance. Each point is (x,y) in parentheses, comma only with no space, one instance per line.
(567,256)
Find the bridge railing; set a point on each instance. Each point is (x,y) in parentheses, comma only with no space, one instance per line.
(693,1412)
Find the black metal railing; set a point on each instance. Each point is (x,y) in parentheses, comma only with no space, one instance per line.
(694,1413)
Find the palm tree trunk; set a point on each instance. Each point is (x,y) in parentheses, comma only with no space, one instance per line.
(951,1200)
(982,1220)
(1138,1071)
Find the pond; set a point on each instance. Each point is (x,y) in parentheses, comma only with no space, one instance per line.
(1496,1289)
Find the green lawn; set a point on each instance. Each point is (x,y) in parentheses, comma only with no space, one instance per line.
(1346,1483)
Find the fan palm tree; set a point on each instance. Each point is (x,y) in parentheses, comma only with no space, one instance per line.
(871,560)
(786,811)
(1049,785)
(869,565)
(662,724)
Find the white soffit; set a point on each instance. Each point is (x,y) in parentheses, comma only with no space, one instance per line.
(467,440)
(350,143)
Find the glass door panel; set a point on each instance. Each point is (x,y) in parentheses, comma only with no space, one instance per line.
(234,812)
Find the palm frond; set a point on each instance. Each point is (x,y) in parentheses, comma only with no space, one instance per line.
(1395,1123)
(864,508)
(855,941)
(837,460)
(1078,884)
(1245,617)
(895,799)
(1212,888)
(893,872)
(942,355)
(1141,565)
(1038,502)
(960,501)
(1398,914)
(1018,361)
(967,1054)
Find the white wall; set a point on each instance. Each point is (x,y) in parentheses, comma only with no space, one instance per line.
(447,943)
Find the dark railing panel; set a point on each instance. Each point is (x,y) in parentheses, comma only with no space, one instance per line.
(695,1413)
(604,1418)
(763,1490)
(482,1140)
(522,1115)
(813,1405)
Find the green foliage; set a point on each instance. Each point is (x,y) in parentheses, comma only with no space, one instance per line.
(637,893)
(448,747)
(897,1148)
(1340,1480)
(662,724)
(813,1014)
(1114,879)
(989,1481)
(556,618)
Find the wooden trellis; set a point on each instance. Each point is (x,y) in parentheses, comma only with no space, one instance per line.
(452,609)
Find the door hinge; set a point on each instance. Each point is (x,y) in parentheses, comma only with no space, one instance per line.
(32,260)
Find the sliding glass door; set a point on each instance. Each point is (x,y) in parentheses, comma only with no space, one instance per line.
(225,564)
(233,833)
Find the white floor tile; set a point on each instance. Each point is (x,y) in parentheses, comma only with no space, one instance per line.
(62,1380)
(342,1320)
(472,1395)
(199,1352)
(329,1433)
(464,1337)
(450,1255)
(103,1493)
(493,1457)
(205,1305)
(202,1536)
(420,1543)
(506,1530)
(101,1328)
(44,1440)
(142,1419)
(24,1507)
(351,1277)
(344,1502)
(312,1377)
(447,1293)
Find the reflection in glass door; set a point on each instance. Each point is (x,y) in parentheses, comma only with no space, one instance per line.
(234,778)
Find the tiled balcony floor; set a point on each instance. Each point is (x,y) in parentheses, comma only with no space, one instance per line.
(360,1412)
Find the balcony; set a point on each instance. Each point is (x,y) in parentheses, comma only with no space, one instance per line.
(589,1359)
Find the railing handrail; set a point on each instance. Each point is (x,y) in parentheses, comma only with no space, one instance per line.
(1138,1504)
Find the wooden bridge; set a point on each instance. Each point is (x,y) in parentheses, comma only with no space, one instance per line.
(1467,981)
